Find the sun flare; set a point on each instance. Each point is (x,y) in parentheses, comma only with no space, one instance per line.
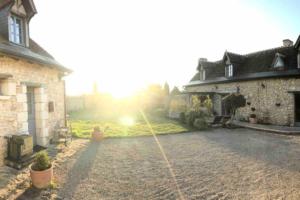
(127,121)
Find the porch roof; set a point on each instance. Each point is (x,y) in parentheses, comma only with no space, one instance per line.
(215,91)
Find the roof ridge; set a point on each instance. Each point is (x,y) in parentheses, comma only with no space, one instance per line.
(234,53)
(266,50)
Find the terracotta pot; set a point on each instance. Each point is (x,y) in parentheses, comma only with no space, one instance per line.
(97,137)
(41,179)
(253,120)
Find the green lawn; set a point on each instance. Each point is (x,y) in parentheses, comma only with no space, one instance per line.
(133,125)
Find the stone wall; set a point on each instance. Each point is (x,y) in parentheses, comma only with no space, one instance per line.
(13,100)
(263,95)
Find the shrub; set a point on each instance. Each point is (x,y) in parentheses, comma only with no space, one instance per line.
(41,162)
(192,115)
(182,117)
(200,123)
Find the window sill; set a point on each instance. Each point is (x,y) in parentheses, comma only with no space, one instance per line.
(3,97)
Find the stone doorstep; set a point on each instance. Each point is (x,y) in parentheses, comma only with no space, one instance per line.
(269,128)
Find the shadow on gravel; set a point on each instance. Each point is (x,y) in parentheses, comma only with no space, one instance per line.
(30,193)
(80,169)
(278,150)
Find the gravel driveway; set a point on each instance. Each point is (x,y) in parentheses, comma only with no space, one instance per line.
(217,164)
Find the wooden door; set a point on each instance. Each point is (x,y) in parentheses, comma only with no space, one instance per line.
(31,114)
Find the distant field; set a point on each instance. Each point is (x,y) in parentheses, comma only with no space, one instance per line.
(123,125)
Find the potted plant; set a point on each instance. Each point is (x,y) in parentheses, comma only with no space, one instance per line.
(98,134)
(41,171)
(253,119)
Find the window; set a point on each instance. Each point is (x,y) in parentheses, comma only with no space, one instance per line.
(1,93)
(298,58)
(15,30)
(279,62)
(229,71)
(202,75)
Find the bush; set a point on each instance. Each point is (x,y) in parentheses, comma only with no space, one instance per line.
(41,162)
(191,116)
(200,123)
(182,117)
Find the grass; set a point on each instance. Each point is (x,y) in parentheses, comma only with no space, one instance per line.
(83,124)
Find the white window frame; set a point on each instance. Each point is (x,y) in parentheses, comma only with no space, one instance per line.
(202,75)
(229,70)
(298,59)
(16,35)
(1,84)
(279,62)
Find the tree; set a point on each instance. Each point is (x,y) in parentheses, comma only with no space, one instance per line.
(95,88)
(175,91)
(166,89)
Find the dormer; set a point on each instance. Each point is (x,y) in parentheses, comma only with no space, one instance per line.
(278,62)
(228,65)
(15,16)
(201,68)
(231,61)
(297,46)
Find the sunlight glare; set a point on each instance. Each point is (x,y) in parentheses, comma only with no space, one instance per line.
(127,121)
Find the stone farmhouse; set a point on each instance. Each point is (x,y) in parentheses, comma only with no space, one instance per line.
(269,80)
(32,92)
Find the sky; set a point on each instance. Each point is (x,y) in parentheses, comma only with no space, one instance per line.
(125,45)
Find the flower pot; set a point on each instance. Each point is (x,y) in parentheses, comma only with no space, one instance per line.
(97,136)
(41,179)
(253,120)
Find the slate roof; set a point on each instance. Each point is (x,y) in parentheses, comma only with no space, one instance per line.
(34,52)
(253,65)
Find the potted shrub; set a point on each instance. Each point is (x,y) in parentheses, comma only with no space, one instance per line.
(253,119)
(41,171)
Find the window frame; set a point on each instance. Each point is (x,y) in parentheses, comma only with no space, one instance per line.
(14,33)
(298,60)
(1,83)
(229,71)
(279,60)
(202,75)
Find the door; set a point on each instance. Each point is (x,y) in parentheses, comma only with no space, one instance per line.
(297,109)
(31,113)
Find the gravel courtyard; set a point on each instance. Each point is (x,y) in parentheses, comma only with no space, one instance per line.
(216,164)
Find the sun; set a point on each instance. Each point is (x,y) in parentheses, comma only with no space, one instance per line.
(127,121)
(122,91)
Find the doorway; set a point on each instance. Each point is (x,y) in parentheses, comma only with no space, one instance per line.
(31,114)
(297,109)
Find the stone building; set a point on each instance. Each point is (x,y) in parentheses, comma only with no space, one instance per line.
(31,87)
(269,80)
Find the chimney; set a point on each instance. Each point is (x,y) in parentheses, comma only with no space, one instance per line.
(287,43)
(202,60)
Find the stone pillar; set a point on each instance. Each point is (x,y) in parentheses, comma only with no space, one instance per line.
(41,116)
(22,111)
